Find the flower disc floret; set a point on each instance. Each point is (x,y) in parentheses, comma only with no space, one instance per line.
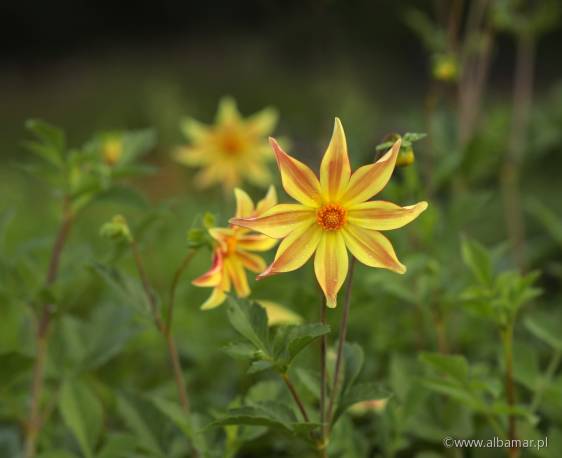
(331,217)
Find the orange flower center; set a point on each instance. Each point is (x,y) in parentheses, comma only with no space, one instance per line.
(331,217)
(231,143)
(230,245)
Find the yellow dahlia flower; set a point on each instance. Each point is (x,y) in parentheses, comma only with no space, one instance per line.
(233,150)
(333,215)
(232,253)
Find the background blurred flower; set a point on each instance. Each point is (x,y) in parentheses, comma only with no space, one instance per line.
(333,214)
(233,150)
(232,251)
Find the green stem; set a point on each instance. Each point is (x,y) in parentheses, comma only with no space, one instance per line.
(323,373)
(177,276)
(341,341)
(41,342)
(165,330)
(510,173)
(296,396)
(507,335)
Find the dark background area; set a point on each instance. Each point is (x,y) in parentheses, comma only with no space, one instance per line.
(122,59)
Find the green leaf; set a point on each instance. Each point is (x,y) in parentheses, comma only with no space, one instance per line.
(13,366)
(353,363)
(548,218)
(258,366)
(101,345)
(175,413)
(118,445)
(82,414)
(137,424)
(454,365)
(51,143)
(478,261)
(240,350)
(270,414)
(453,390)
(250,320)
(360,392)
(291,340)
(546,329)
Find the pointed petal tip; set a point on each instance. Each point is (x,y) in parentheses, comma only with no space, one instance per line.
(331,302)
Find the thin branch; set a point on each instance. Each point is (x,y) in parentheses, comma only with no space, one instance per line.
(296,397)
(41,342)
(177,276)
(341,342)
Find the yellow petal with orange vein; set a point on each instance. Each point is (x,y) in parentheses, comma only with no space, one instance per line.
(370,179)
(244,204)
(371,248)
(213,276)
(216,298)
(295,249)
(330,265)
(267,202)
(255,242)
(278,221)
(251,261)
(383,216)
(298,180)
(237,275)
(279,315)
(335,169)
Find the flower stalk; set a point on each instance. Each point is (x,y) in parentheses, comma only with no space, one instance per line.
(41,336)
(507,338)
(341,342)
(165,328)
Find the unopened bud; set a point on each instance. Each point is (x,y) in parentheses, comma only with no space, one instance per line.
(117,229)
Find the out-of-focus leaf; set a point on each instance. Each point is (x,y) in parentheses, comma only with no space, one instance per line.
(454,365)
(82,414)
(13,366)
(545,329)
(143,433)
(360,392)
(478,260)
(118,445)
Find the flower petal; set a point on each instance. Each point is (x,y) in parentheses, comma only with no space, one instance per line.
(268,201)
(335,169)
(330,265)
(251,261)
(216,298)
(370,179)
(194,130)
(255,242)
(278,221)
(228,111)
(213,276)
(263,122)
(190,156)
(383,216)
(372,248)
(295,249)
(298,180)
(235,271)
(279,315)
(244,204)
